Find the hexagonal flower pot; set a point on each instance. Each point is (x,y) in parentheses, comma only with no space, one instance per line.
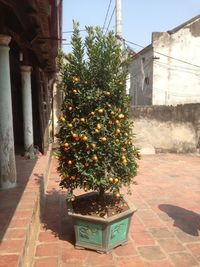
(101,234)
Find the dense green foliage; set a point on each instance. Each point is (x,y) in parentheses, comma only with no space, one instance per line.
(95,139)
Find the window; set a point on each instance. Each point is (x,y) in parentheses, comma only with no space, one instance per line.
(146,80)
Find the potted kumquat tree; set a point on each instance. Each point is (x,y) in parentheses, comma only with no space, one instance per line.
(95,150)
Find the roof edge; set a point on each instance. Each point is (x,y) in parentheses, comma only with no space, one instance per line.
(143,51)
(183,24)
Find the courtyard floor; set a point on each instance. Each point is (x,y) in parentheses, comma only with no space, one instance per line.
(165,230)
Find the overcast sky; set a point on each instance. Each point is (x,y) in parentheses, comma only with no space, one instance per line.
(139,18)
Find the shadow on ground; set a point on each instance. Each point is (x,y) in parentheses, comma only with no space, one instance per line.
(55,216)
(10,198)
(186,220)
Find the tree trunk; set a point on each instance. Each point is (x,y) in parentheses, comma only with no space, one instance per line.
(101,193)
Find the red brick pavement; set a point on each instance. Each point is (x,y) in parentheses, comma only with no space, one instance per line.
(165,230)
(18,209)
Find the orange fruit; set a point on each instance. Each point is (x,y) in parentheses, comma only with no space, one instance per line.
(107,93)
(85,138)
(121,116)
(75,79)
(124,161)
(94,158)
(62,119)
(117,195)
(66,145)
(110,180)
(116,180)
(98,126)
(118,131)
(123,157)
(74,135)
(123,149)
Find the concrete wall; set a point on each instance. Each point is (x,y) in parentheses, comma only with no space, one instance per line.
(170,81)
(176,82)
(166,128)
(141,78)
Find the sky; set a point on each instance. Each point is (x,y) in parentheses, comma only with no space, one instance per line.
(139,17)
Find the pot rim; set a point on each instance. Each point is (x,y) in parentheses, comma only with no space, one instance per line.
(125,213)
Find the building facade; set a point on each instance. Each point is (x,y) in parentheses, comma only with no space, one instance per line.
(30,35)
(167,71)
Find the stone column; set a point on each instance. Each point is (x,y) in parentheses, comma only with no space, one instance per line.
(27,107)
(7,151)
(57,103)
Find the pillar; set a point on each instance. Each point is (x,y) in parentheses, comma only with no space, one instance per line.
(27,107)
(57,103)
(7,151)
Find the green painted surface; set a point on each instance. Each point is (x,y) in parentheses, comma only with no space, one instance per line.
(118,232)
(89,233)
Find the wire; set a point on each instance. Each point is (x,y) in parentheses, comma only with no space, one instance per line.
(175,93)
(107,14)
(172,67)
(177,68)
(73,31)
(110,19)
(180,60)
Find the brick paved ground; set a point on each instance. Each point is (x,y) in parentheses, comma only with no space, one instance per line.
(165,230)
(19,212)
(11,198)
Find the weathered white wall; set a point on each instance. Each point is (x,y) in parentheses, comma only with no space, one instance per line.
(171,81)
(155,136)
(176,82)
(166,128)
(141,68)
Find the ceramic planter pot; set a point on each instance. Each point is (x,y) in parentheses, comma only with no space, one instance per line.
(101,234)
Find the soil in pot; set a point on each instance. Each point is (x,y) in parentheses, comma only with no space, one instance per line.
(94,206)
